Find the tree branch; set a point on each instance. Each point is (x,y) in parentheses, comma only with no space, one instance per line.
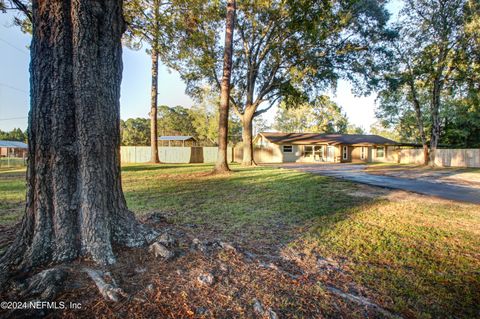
(22,7)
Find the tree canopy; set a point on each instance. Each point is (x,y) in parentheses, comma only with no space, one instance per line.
(14,135)
(432,81)
(323,116)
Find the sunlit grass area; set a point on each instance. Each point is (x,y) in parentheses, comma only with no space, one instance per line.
(417,256)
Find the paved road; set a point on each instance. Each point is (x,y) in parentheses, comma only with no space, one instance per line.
(357,174)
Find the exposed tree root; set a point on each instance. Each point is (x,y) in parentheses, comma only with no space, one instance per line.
(110,291)
(362,301)
(46,284)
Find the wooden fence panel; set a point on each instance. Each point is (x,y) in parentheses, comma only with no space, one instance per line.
(196,154)
(443,157)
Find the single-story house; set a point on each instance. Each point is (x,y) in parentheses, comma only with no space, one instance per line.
(13,149)
(313,147)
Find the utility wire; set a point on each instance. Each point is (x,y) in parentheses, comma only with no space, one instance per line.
(14,118)
(13,88)
(15,47)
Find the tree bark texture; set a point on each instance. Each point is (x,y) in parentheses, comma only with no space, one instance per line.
(418,115)
(221,164)
(75,204)
(154,92)
(153,109)
(436,124)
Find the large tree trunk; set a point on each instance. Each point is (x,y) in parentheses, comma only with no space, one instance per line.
(419,118)
(221,164)
(75,204)
(153,109)
(436,125)
(247,137)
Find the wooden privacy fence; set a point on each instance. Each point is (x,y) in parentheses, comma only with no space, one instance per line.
(195,154)
(443,157)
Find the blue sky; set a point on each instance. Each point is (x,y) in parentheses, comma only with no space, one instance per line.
(135,99)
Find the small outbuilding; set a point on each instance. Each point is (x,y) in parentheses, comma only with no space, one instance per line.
(13,149)
(177,140)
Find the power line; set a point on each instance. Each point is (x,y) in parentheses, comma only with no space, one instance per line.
(14,118)
(13,88)
(15,47)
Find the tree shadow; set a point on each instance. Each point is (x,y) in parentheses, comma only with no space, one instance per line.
(161,166)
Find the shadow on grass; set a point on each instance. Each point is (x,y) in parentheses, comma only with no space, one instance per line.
(162,166)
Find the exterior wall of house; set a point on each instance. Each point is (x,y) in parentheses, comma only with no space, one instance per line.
(390,155)
(13,152)
(267,152)
(357,154)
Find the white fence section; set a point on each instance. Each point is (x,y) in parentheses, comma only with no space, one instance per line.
(195,154)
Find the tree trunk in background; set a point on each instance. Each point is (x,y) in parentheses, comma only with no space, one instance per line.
(153,109)
(221,164)
(436,126)
(75,204)
(418,115)
(154,93)
(247,137)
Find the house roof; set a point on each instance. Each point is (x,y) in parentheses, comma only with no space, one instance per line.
(333,139)
(176,138)
(13,144)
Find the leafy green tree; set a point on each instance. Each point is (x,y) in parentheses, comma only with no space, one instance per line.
(434,59)
(353,129)
(322,116)
(175,121)
(204,117)
(259,125)
(384,129)
(283,50)
(14,135)
(135,132)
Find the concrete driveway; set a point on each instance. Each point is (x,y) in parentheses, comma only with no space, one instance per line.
(357,174)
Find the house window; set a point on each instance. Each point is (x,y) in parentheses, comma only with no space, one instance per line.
(308,150)
(287,148)
(380,151)
(345,152)
(363,153)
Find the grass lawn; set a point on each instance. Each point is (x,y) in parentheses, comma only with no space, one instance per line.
(415,256)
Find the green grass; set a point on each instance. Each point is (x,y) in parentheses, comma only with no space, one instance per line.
(419,257)
(11,162)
